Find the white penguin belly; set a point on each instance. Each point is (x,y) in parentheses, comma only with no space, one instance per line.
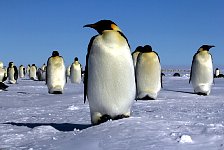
(111,81)
(2,74)
(202,75)
(148,76)
(75,74)
(33,72)
(11,76)
(55,77)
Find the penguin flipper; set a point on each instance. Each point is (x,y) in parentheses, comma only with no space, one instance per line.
(86,67)
(192,66)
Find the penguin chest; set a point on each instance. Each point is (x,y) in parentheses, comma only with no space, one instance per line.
(202,69)
(11,73)
(148,72)
(56,71)
(111,81)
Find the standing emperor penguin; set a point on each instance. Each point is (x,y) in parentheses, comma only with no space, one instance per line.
(21,71)
(109,82)
(148,74)
(3,74)
(201,76)
(33,72)
(68,69)
(135,54)
(41,73)
(28,69)
(76,71)
(55,74)
(12,72)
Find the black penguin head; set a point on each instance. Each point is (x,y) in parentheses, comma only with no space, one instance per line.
(139,49)
(33,64)
(102,25)
(76,59)
(147,48)
(10,64)
(205,47)
(55,53)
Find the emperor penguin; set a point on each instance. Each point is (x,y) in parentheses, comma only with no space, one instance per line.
(28,69)
(217,72)
(148,74)
(55,74)
(109,81)
(76,71)
(12,72)
(68,71)
(21,71)
(41,73)
(201,76)
(3,74)
(33,72)
(135,54)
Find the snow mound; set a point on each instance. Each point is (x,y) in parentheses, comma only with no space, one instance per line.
(185,139)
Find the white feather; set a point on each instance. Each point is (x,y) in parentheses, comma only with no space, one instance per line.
(202,73)
(56,78)
(148,75)
(111,80)
(75,73)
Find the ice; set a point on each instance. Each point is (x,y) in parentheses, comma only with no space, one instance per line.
(30,118)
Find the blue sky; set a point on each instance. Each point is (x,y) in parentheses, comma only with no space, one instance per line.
(31,29)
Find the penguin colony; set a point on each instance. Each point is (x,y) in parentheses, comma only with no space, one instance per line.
(113,77)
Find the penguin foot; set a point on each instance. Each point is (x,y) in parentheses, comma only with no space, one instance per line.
(107,117)
(56,92)
(120,117)
(103,119)
(146,98)
(203,94)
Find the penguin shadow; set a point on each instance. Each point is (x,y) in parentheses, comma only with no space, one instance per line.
(64,127)
(179,91)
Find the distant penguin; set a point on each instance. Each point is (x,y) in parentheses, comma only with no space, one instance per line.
(109,82)
(3,74)
(33,72)
(55,74)
(3,87)
(68,71)
(41,73)
(217,72)
(201,76)
(21,71)
(12,72)
(28,70)
(135,54)
(76,71)
(148,74)
(43,67)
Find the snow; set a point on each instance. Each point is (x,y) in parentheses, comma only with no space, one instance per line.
(30,118)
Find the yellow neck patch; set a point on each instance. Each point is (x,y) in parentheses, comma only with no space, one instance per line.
(114,27)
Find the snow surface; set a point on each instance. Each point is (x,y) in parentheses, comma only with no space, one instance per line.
(30,118)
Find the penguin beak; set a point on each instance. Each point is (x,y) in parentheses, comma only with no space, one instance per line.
(90,26)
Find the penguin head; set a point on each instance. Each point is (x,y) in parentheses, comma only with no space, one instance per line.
(11,64)
(76,59)
(139,49)
(33,64)
(103,25)
(205,47)
(147,48)
(55,53)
